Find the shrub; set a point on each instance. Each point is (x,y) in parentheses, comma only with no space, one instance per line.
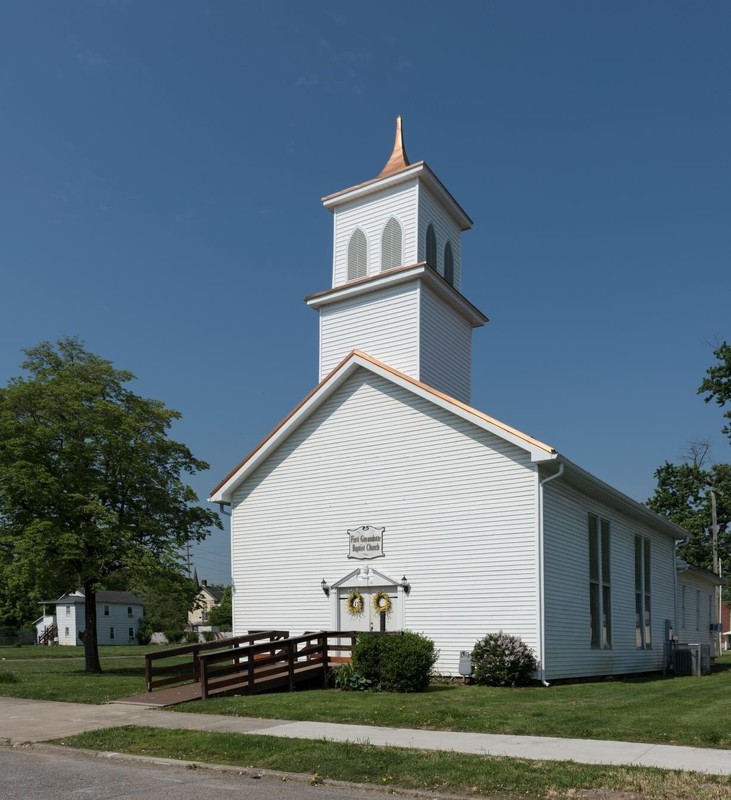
(399,662)
(190,637)
(209,636)
(503,660)
(346,678)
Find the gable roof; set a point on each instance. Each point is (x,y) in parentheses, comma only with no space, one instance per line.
(102,596)
(354,361)
(540,452)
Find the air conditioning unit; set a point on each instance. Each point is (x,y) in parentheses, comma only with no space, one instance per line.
(683,660)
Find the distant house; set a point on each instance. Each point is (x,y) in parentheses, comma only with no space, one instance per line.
(118,617)
(697,613)
(206,600)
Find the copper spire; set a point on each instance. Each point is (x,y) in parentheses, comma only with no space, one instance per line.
(398,160)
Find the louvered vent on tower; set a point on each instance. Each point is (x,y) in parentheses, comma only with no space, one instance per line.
(391,245)
(357,255)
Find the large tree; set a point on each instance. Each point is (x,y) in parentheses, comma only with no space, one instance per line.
(90,483)
(685,491)
(716,385)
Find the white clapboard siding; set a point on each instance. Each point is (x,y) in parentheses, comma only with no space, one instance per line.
(446,229)
(370,214)
(383,324)
(446,347)
(696,609)
(567,617)
(457,504)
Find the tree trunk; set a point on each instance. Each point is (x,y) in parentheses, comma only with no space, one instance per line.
(91,647)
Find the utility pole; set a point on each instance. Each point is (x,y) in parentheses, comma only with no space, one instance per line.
(716,563)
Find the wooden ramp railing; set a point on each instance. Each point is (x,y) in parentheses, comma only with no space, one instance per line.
(185,666)
(281,664)
(259,661)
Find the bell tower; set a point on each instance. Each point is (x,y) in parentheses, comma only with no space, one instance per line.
(396,277)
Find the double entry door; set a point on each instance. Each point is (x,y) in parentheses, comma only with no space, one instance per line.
(370,617)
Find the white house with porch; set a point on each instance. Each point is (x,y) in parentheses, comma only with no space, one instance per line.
(384,500)
(118,616)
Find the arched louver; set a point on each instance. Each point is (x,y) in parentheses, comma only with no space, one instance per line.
(391,245)
(448,264)
(357,255)
(431,247)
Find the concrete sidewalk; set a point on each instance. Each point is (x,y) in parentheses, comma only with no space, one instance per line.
(38,720)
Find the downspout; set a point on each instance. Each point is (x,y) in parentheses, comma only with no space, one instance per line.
(541,581)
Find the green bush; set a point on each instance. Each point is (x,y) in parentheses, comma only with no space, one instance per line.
(398,662)
(500,659)
(208,636)
(191,637)
(345,677)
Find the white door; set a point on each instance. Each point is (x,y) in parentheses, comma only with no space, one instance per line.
(369,619)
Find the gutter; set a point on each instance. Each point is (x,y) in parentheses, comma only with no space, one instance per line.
(541,581)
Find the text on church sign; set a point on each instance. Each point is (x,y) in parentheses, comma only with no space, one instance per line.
(366,542)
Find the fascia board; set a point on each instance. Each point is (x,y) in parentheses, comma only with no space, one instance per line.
(603,491)
(400,275)
(503,432)
(419,170)
(332,201)
(222,494)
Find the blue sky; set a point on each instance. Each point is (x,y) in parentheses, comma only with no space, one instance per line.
(162,164)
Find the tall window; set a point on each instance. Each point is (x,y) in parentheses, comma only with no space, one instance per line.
(683,599)
(129,612)
(391,245)
(111,633)
(643,627)
(131,634)
(357,255)
(431,247)
(697,609)
(106,611)
(448,264)
(600,588)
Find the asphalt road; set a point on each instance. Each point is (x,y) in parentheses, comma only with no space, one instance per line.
(48,774)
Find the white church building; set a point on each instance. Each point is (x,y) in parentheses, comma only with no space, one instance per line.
(384,482)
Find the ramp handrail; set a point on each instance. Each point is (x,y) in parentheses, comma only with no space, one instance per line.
(282,661)
(187,670)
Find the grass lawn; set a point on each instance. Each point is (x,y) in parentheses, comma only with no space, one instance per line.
(692,711)
(410,769)
(57,673)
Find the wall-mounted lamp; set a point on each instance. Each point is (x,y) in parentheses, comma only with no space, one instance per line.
(405,585)
(325,588)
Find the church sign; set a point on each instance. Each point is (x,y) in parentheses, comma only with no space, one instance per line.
(366,542)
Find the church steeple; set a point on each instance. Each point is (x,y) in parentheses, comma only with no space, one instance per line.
(397,275)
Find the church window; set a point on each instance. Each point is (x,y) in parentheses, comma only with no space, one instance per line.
(357,255)
(431,247)
(643,628)
(391,245)
(600,588)
(448,264)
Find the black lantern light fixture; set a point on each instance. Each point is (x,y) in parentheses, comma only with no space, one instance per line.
(405,585)
(325,588)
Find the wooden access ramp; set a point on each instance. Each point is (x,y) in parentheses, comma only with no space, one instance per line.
(258,662)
